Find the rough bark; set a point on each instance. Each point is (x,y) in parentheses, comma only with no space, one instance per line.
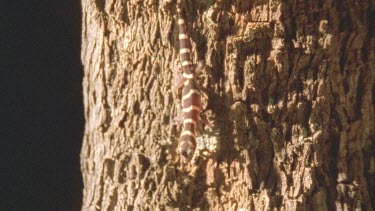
(289,90)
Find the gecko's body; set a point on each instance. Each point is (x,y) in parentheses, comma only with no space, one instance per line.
(191,97)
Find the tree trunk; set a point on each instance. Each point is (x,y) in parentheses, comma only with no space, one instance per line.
(289,91)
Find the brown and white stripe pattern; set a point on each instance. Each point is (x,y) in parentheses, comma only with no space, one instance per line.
(191,97)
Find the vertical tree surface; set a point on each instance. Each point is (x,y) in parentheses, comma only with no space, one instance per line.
(288,88)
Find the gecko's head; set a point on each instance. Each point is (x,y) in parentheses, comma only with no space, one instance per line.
(187,149)
(186,155)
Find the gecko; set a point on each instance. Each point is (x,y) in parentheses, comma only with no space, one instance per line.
(191,96)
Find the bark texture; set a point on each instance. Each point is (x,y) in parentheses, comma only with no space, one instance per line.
(289,91)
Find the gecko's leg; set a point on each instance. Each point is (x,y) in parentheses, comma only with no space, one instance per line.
(177,83)
(178,79)
(179,120)
(199,67)
(205,122)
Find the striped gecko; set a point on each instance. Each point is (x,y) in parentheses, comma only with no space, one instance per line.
(191,96)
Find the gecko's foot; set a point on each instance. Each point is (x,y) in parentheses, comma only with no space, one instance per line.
(178,120)
(199,67)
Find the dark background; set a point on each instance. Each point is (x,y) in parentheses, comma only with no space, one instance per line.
(41,107)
